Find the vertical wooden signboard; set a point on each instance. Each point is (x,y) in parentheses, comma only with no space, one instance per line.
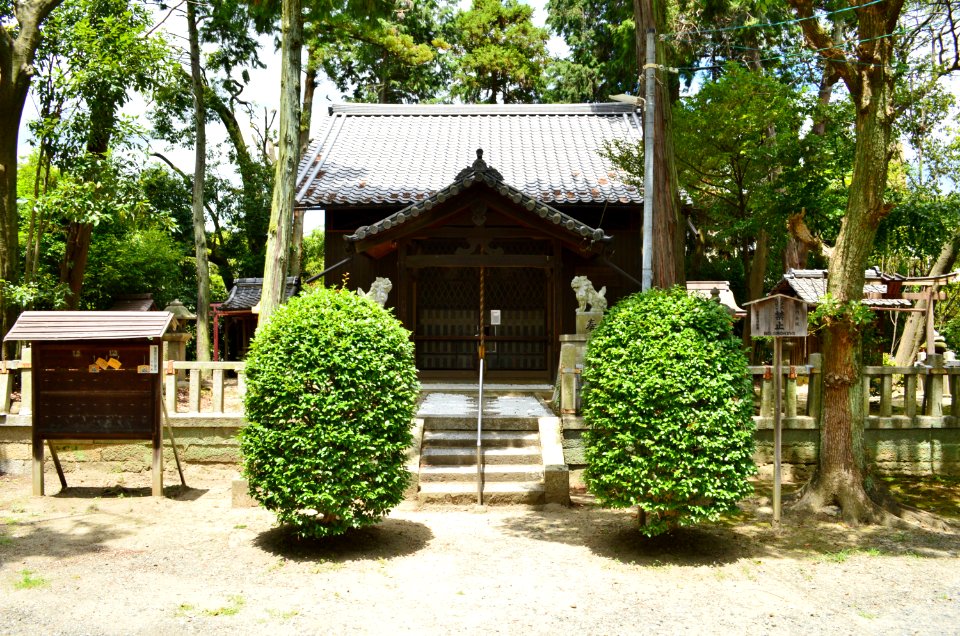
(777,317)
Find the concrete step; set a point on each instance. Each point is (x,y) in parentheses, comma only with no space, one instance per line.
(465,492)
(446,456)
(489,439)
(469,423)
(491,473)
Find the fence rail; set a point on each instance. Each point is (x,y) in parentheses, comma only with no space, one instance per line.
(214,387)
(922,396)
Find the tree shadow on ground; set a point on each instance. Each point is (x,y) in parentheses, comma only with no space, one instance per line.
(614,534)
(22,539)
(388,539)
(177,493)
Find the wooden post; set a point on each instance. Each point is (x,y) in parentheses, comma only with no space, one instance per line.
(26,381)
(157,465)
(218,390)
(954,397)
(790,392)
(777,379)
(6,388)
(886,395)
(866,393)
(910,393)
(194,390)
(766,394)
(171,388)
(815,387)
(37,465)
(934,393)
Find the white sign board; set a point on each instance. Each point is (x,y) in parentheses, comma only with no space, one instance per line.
(494,317)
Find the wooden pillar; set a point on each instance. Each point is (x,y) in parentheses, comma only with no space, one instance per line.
(933,395)
(26,381)
(815,387)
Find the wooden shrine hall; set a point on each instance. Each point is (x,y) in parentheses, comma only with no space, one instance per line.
(480,216)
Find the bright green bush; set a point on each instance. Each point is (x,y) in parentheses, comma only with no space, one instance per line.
(331,392)
(669,402)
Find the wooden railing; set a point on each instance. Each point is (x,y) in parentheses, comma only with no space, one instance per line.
(922,396)
(215,387)
(195,371)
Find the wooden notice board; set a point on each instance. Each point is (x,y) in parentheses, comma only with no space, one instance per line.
(96,378)
(779,316)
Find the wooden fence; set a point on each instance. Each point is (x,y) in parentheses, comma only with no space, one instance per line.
(921,396)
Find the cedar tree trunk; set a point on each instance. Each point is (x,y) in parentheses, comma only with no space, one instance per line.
(668,232)
(280,232)
(199,177)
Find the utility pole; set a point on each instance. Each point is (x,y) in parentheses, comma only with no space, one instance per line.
(649,114)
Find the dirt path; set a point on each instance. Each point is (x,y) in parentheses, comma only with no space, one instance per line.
(99,561)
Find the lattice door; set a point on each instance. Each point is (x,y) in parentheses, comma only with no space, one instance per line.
(448,319)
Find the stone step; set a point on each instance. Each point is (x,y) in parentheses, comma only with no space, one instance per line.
(491,473)
(489,439)
(465,492)
(469,423)
(447,456)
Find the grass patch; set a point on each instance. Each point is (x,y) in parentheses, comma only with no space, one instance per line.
(29,580)
(841,556)
(283,615)
(231,609)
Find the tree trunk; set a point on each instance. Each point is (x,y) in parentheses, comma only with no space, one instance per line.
(840,474)
(916,325)
(668,233)
(16,71)
(756,268)
(284,187)
(309,90)
(199,177)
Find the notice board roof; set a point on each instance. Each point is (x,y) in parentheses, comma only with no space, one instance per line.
(89,325)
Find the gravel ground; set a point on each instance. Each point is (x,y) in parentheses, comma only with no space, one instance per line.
(94,560)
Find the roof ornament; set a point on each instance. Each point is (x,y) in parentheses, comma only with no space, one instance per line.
(479,167)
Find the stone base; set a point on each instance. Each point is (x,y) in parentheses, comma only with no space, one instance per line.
(587,321)
(240,495)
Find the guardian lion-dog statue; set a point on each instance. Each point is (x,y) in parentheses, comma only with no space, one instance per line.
(587,295)
(378,291)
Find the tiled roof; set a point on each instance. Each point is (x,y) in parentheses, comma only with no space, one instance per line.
(134,302)
(246,293)
(704,289)
(480,172)
(403,154)
(810,285)
(89,325)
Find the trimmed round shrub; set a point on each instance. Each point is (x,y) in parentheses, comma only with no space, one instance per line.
(331,393)
(669,402)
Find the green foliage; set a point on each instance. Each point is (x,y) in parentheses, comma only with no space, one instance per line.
(399,59)
(669,402)
(501,55)
(313,252)
(134,262)
(831,310)
(331,391)
(602,59)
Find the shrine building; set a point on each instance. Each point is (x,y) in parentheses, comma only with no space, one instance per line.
(480,216)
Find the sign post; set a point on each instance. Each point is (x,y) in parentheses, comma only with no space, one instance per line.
(777,317)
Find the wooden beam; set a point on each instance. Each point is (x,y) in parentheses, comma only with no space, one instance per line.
(479,260)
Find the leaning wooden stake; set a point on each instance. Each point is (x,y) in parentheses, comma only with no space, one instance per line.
(56,464)
(173,443)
